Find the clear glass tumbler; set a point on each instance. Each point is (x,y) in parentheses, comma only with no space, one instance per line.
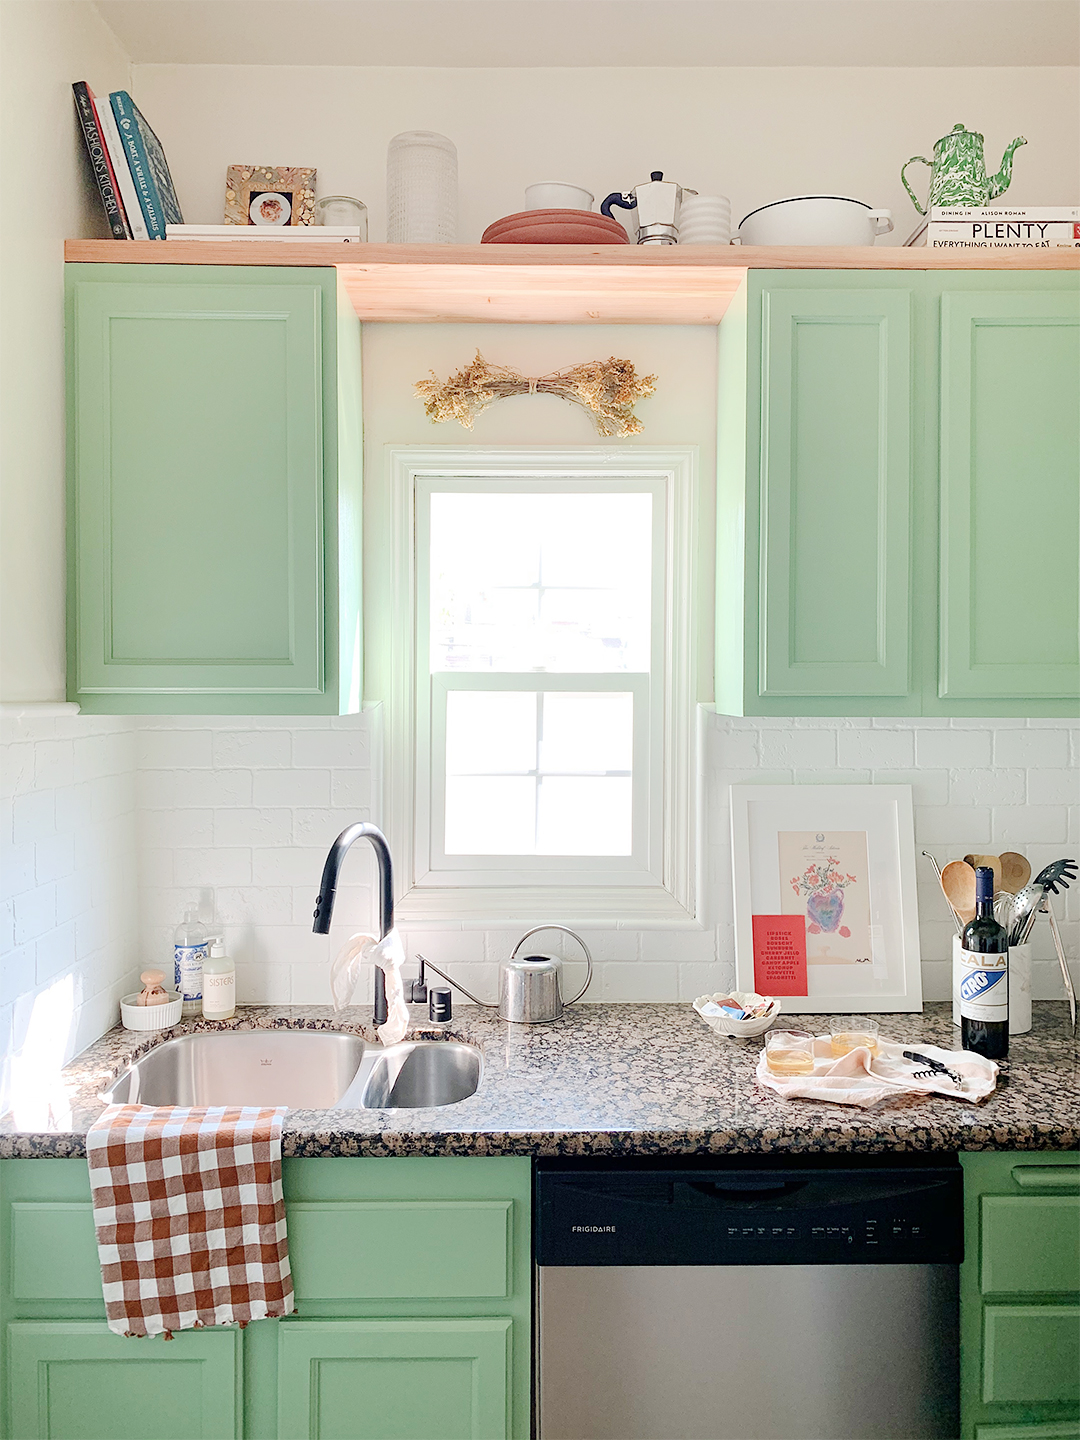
(342,210)
(848,1032)
(789,1052)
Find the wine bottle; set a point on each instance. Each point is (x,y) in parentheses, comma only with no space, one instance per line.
(984,983)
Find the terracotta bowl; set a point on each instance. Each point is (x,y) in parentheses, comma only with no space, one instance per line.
(555,227)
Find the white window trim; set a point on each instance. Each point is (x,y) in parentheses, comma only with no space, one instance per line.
(671,904)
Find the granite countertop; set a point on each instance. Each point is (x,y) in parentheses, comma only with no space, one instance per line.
(619,1080)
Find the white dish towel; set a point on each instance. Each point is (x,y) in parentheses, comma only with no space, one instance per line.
(389,954)
(859,1078)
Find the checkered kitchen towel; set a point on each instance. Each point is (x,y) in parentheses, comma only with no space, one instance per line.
(190,1216)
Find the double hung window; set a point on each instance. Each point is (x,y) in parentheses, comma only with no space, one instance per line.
(540,676)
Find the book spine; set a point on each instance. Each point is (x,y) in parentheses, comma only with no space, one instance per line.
(139,164)
(111,136)
(99,161)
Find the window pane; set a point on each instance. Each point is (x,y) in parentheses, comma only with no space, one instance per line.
(558,582)
(584,817)
(490,734)
(490,815)
(591,734)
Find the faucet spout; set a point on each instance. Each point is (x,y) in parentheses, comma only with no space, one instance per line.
(324,901)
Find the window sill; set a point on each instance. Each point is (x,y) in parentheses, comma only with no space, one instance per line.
(632,908)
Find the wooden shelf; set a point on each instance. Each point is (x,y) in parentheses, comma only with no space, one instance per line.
(550,284)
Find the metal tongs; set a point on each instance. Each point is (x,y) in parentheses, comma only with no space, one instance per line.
(936,1068)
(1045,905)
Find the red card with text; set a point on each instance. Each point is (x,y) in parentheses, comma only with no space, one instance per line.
(780,954)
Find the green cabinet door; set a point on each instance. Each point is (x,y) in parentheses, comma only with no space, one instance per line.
(815,485)
(1010,494)
(404,1379)
(76,1380)
(214,477)
(835,497)
(1020,1296)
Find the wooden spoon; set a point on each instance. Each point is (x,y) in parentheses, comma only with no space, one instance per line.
(992,862)
(958,882)
(1015,872)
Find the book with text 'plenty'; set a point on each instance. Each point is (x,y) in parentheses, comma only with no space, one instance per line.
(100,163)
(149,168)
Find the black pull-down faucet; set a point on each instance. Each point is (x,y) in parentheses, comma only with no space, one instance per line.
(324,902)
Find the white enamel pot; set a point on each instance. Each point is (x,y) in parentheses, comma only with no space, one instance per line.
(815,220)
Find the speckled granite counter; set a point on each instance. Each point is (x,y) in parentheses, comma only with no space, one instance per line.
(623,1080)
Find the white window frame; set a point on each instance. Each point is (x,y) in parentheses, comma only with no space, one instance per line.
(662,888)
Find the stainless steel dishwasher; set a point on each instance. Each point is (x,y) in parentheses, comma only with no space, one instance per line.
(808,1299)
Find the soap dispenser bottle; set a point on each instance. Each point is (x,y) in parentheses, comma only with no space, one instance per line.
(219,983)
(189,951)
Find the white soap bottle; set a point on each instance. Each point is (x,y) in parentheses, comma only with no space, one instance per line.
(219,983)
(189,952)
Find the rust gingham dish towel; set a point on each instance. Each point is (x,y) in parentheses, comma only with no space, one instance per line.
(190,1216)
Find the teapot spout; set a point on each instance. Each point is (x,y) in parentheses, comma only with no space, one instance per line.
(999,183)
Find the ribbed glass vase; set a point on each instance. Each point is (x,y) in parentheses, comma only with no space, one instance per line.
(421,189)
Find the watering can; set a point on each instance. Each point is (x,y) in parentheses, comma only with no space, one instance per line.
(958,172)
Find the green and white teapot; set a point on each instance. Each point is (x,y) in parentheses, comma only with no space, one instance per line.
(958,172)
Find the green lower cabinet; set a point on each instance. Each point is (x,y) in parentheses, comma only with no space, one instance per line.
(876,431)
(394,1379)
(1020,1297)
(413,1283)
(76,1380)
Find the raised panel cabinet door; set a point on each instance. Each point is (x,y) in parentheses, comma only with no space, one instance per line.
(1010,495)
(198,532)
(76,1380)
(394,1379)
(834,597)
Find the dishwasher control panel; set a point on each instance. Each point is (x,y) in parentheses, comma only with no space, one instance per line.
(901,1214)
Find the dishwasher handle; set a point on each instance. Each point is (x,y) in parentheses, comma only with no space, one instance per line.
(741,1190)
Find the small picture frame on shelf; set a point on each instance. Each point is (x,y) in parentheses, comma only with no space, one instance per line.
(837,861)
(271,195)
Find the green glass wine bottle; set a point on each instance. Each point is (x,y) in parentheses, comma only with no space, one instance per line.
(984,983)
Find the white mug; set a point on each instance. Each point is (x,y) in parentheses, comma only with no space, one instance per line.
(556,195)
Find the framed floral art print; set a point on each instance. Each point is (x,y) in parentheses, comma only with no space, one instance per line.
(825,905)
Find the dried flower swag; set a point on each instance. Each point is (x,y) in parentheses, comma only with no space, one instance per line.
(608,389)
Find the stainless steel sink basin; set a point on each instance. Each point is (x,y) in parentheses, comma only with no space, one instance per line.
(415,1074)
(303,1069)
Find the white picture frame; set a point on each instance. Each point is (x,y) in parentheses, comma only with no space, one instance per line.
(889,979)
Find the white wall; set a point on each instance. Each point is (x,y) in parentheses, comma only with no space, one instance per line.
(46,45)
(753,134)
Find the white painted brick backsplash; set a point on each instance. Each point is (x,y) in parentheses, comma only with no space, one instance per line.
(880,748)
(957,750)
(1031,747)
(68,882)
(249,808)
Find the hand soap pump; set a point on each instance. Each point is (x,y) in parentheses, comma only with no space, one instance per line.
(189,952)
(219,983)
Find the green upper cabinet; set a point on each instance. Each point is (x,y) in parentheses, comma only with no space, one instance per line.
(214,499)
(1010,495)
(874,429)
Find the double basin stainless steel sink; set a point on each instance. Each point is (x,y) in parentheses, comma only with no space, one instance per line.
(303,1069)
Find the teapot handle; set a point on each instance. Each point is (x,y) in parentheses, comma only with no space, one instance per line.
(922,161)
(573,936)
(624,202)
(883,221)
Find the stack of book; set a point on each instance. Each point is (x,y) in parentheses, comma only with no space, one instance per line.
(129,165)
(1041,227)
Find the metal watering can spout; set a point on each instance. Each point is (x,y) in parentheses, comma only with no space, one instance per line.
(999,183)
